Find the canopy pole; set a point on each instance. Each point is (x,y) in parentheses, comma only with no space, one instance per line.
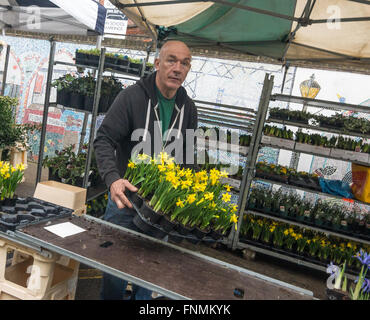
(98,42)
(46,109)
(5,72)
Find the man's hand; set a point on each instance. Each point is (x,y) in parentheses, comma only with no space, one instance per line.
(117,190)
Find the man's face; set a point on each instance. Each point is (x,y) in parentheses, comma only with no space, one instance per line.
(173,65)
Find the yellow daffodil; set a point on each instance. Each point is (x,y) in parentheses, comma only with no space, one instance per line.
(186,184)
(224,174)
(234,219)
(212,205)
(175,183)
(227,187)
(226,197)
(191,198)
(208,195)
(131,164)
(180,203)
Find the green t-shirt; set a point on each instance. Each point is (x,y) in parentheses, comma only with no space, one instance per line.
(166,107)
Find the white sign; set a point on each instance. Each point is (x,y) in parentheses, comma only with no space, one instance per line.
(65,229)
(115,22)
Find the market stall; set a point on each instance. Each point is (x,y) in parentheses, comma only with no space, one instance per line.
(283,47)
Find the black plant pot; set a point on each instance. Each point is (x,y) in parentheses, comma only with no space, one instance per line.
(81,58)
(10,202)
(184,230)
(77,101)
(136,199)
(166,224)
(88,103)
(216,235)
(135,68)
(200,234)
(110,62)
(64,97)
(149,213)
(158,233)
(54,177)
(92,60)
(78,182)
(144,226)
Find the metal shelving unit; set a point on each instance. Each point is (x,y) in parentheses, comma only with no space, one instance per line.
(317,128)
(99,72)
(290,259)
(303,225)
(234,240)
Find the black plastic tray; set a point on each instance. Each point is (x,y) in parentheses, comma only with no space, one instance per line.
(157,231)
(29,210)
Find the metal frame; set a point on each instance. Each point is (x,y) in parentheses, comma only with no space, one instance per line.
(252,156)
(46,109)
(5,71)
(99,71)
(233,239)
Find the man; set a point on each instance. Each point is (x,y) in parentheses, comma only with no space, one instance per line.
(158,97)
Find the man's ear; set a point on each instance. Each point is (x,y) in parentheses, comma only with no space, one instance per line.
(156,63)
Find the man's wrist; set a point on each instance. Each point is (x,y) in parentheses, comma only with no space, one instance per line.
(110,178)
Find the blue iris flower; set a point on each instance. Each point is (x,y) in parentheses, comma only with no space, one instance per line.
(363,257)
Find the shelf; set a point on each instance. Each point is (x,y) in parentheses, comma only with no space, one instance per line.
(306,226)
(223,124)
(108,69)
(54,104)
(285,257)
(321,104)
(317,128)
(223,146)
(333,153)
(311,191)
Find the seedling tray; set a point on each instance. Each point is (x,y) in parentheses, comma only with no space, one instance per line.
(29,210)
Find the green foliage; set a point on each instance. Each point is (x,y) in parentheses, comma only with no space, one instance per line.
(68,165)
(10,132)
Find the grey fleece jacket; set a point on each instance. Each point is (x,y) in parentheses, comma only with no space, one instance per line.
(134,108)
